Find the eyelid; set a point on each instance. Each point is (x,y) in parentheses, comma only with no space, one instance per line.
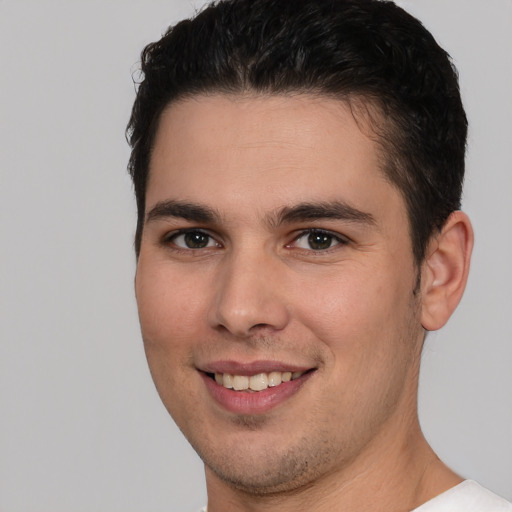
(334,234)
(169,238)
(338,237)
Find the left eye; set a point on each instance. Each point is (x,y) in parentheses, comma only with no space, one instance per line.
(316,240)
(194,240)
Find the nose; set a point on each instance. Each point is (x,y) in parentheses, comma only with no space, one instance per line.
(248,298)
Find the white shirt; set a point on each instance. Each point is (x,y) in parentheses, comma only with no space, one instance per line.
(468,496)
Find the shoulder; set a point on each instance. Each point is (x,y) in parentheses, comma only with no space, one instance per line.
(468,496)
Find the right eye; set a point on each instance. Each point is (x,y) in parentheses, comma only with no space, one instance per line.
(193,239)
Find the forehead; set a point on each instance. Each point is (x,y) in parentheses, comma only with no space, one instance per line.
(264,150)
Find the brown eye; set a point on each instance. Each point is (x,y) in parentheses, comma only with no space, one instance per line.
(320,241)
(194,240)
(317,240)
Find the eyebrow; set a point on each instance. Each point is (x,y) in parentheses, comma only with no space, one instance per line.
(304,212)
(184,210)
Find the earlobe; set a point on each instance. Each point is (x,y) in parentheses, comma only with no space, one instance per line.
(445,271)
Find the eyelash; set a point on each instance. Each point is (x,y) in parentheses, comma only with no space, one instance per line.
(170,240)
(334,237)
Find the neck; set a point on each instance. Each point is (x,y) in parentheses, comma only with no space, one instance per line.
(396,472)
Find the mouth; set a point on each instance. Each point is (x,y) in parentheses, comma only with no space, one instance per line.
(255,383)
(253,389)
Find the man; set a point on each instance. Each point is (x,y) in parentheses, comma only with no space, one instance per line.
(298,168)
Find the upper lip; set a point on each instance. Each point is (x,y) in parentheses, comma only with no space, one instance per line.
(251,368)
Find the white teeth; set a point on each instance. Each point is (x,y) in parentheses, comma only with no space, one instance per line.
(227,380)
(240,382)
(257,382)
(274,379)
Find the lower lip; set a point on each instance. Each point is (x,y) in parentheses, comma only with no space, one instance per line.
(257,402)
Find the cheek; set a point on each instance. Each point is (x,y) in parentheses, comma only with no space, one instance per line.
(347,302)
(361,314)
(168,314)
(368,327)
(169,307)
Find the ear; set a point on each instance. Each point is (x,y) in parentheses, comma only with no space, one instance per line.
(445,271)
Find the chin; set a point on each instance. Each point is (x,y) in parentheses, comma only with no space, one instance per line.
(265,470)
(261,479)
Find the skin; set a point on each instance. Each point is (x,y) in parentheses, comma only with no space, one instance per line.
(349,437)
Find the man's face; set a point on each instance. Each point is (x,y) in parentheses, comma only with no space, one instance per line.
(273,244)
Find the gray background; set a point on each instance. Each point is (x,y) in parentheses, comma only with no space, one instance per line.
(81,426)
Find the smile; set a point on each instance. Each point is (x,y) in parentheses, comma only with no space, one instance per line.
(258,382)
(249,389)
